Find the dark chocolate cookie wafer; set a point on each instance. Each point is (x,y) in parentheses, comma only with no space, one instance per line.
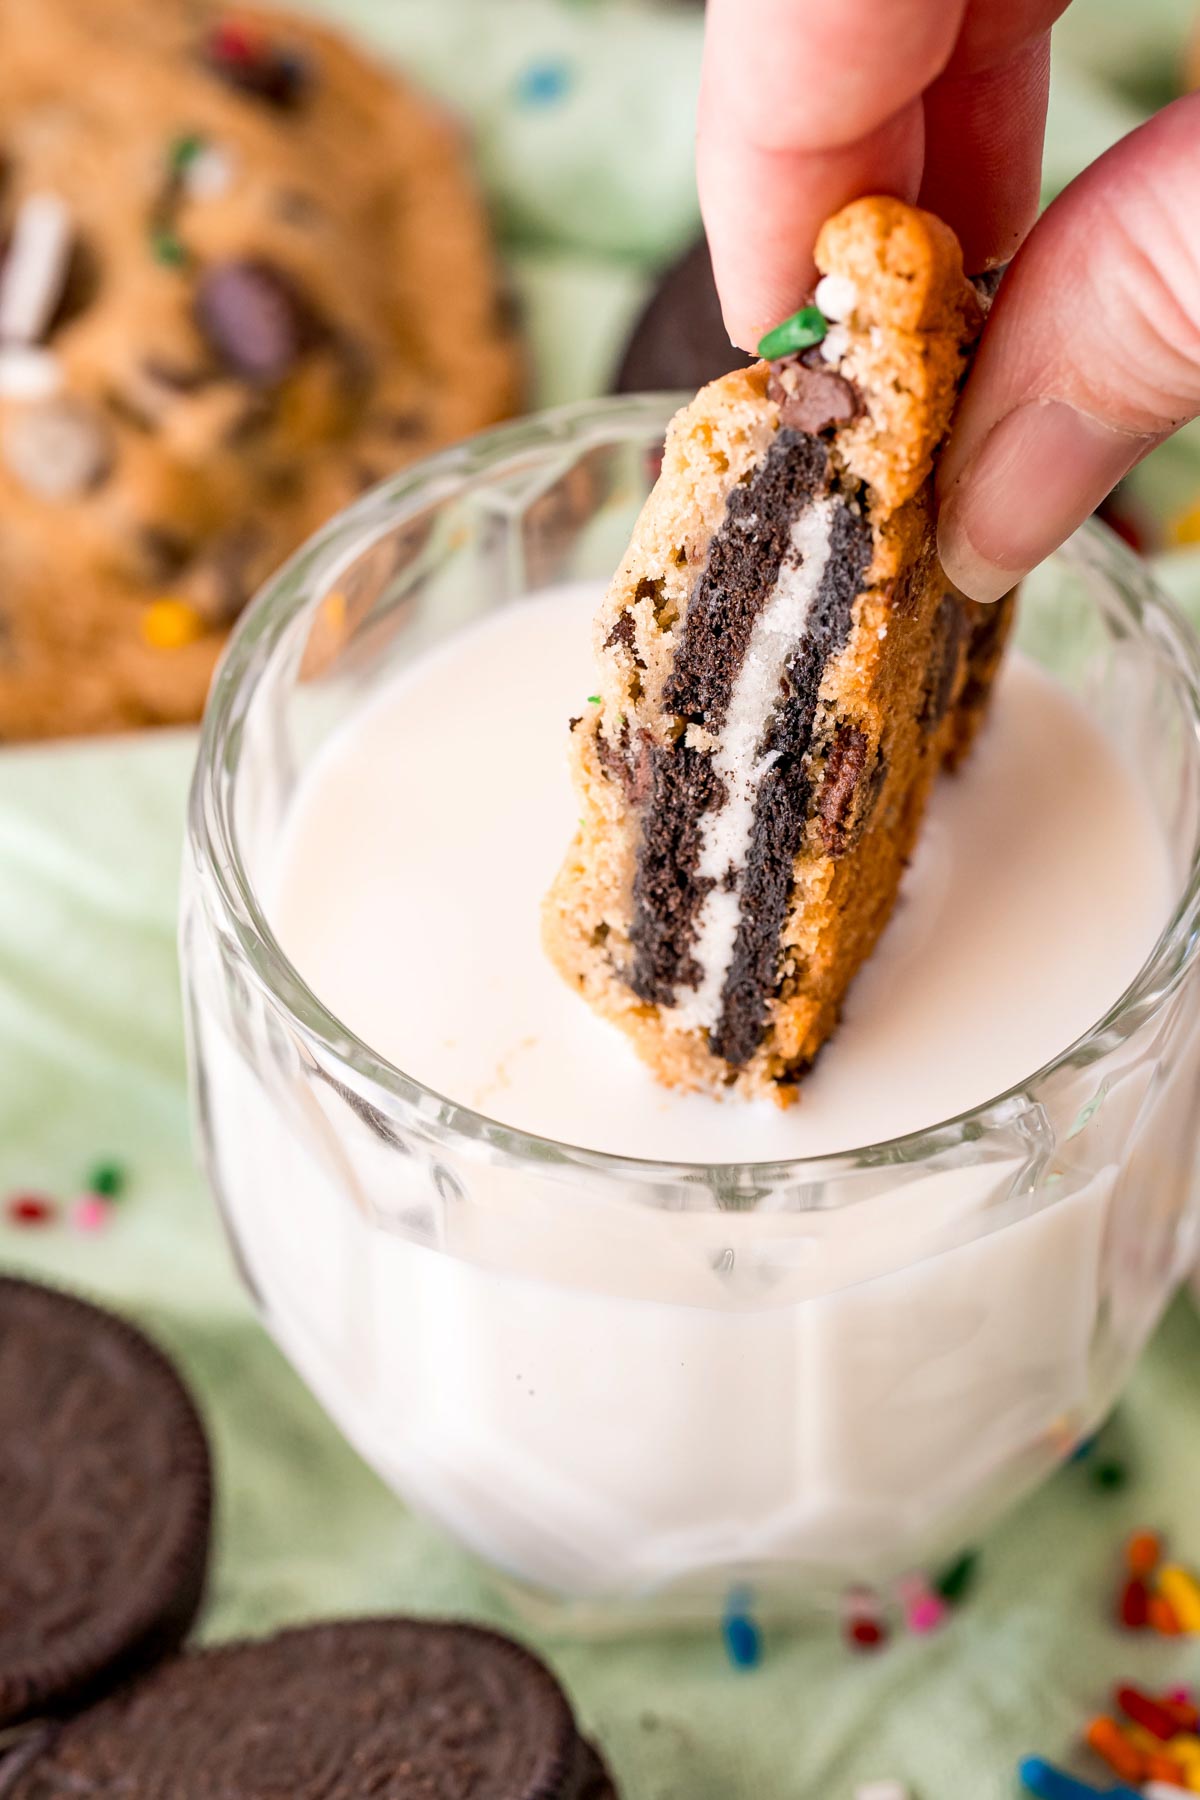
(105,1498)
(680,340)
(397,1709)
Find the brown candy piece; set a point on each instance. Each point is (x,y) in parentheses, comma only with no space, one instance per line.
(845,766)
(811,397)
(253,318)
(59,449)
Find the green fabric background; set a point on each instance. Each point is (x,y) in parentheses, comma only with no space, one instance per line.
(592,191)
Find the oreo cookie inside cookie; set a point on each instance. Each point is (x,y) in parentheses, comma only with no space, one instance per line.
(398,1709)
(680,340)
(105,1497)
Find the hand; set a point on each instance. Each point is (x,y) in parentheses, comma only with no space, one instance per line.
(1092,352)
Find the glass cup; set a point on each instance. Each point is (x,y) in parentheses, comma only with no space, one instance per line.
(791,1375)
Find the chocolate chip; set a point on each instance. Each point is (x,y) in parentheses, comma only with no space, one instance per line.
(625,632)
(253,317)
(179,377)
(162,554)
(844,767)
(809,396)
(630,763)
(949,630)
(58,450)
(280,78)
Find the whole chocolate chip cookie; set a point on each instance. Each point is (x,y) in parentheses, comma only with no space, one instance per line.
(105,1494)
(394,1708)
(243,274)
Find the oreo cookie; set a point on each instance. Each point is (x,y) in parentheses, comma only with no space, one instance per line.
(105,1497)
(680,340)
(398,1709)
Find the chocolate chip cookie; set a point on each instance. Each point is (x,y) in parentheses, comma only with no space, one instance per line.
(243,274)
(783,667)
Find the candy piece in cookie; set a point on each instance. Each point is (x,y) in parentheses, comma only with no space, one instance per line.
(783,667)
(105,1492)
(219,322)
(397,1708)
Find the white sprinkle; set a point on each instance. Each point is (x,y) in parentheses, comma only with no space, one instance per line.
(1162,1790)
(835,344)
(881,1790)
(881,632)
(836,296)
(27,373)
(209,174)
(31,281)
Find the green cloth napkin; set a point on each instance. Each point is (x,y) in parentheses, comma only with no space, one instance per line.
(594,188)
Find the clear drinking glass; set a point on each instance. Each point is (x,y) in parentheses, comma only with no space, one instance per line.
(795,1375)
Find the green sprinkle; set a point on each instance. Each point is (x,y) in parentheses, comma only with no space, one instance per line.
(167,249)
(956,1580)
(107,1178)
(804,329)
(184,151)
(1110,1475)
(593,699)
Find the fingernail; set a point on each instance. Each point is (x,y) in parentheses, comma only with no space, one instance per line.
(1037,475)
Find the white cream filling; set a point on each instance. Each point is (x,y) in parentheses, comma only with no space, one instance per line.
(726,831)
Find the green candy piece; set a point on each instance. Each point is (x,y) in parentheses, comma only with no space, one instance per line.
(184,150)
(957,1578)
(593,699)
(167,249)
(804,329)
(107,1178)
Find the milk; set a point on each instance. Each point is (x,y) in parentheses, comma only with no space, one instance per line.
(621,1382)
(410,876)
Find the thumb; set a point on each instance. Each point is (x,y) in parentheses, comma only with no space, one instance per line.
(1090,358)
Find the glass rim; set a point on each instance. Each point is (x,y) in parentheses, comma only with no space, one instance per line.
(304,580)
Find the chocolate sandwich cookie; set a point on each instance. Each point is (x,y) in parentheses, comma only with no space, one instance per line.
(220,320)
(782,669)
(105,1498)
(395,1708)
(679,340)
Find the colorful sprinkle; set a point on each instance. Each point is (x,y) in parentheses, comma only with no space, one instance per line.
(1106,1738)
(30,1209)
(863,1623)
(183,151)
(107,1178)
(836,297)
(1050,1783)
(593,699)
(1133,1610)
(35,268)
(924,1609)
(804,329)
(29,373)
(170,624)
(739,1632)
(1160,1616)
(1083,1448)
(1181,1591)
(543,83)
(957,1578)
(1143,1553)
(167,248)
(91,1212)
(1146,1712)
